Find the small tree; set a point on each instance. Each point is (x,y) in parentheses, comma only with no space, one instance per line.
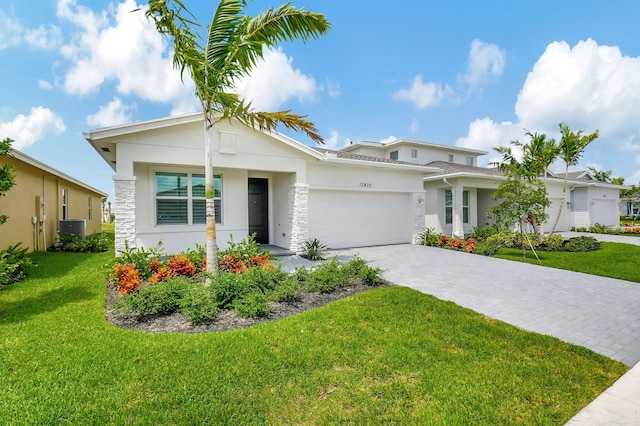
(7,172)
(571,147)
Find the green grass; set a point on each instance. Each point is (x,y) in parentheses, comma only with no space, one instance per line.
(387,355)
(613,260)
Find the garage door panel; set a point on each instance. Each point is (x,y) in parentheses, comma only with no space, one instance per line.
(353,219)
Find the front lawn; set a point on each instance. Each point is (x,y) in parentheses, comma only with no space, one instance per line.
(387,355)
(613,260)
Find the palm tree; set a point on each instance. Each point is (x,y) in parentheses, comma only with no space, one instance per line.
(234,44)
(571,148)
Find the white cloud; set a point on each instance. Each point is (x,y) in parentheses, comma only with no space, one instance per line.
(121,46)
(26,130)
(332,141)
(43,84)
(274,81)
(422,94)
(588,87)
(115,112)
(484,134)
(389,139)
(413,128)
(333,88)
(13,33)
(485,61)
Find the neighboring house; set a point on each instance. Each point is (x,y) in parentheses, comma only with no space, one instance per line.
(265,183)
(459,196)
(41,198)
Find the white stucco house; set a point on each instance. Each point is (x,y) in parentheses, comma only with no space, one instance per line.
(266,183)
(366,193)
(459,195)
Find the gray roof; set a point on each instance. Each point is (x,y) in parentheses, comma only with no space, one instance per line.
(450,168)
(351,156)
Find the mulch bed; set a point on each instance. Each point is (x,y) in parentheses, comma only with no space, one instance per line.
(226,320)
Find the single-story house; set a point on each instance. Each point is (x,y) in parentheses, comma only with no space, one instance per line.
(265,183)
(459,195)
(42,200)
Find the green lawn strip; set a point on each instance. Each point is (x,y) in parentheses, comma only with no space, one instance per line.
(387,355)
(613,260)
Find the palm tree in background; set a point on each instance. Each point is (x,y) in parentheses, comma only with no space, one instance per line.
(234,44)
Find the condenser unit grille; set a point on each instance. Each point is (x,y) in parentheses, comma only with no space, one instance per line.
(76,227)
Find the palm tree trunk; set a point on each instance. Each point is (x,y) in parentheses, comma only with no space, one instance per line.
(212,250)
(564,201)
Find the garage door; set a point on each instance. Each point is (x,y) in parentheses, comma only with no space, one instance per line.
(605,212)
(358,219)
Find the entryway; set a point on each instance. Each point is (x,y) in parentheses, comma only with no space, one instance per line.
(259,209)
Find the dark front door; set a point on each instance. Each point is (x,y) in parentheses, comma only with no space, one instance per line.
(259,209)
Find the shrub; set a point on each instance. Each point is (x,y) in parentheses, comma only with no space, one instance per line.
(126,277)
(227,287)
(487,248)
(141,258)
(326,278)
(198,305)
(442,241)
(599,228)
(370,275)
(455,243)
(504,238)
(553,242)
(581,244)
(240,257)
(94,243)
(180,265)
(253,305)
(14,264)
(428,237)
(313,249)
(481,233)
(287,290)
(470,245)
(161,298)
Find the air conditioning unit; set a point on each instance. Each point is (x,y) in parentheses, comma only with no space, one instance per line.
(77,227)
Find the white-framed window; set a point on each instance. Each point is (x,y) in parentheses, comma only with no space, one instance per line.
(89,205)
(393,155)
(65,204)
(470,161)
(180,198)
(414,153)
(448,206)
(451,158)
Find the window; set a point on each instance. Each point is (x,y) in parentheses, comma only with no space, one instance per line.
(65,206)
(448,206)
(469,161)
(414,153)
(451,158)
(180,198)
(393,155)
(89,208)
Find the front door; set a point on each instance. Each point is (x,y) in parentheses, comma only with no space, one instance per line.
(259,209)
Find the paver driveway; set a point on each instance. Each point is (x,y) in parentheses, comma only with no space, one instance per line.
(602,314)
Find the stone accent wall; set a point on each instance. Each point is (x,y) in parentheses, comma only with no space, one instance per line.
(419,212)
(298,215)
(125,210)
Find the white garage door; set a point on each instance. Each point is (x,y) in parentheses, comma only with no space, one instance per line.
(357,219)
(605,212)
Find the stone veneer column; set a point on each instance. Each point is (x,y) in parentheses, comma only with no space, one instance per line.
(125,210)
(298,215)
(419,211)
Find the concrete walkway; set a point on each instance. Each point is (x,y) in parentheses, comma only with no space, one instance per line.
(599,313)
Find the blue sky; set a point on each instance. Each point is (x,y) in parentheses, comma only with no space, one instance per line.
(473,74)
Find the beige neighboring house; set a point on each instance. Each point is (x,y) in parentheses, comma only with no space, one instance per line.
(41,200)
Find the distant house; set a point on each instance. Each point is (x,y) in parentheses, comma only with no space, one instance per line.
(43,198)
(459,195)
(266,184)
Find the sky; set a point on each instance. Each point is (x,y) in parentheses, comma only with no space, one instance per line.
(461,73)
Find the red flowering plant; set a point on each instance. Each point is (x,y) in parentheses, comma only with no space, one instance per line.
(455,243)
(125,277)
(180,265)
(470,245)
(242,256)
(442,241)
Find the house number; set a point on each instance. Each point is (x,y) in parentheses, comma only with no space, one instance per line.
(365,184)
